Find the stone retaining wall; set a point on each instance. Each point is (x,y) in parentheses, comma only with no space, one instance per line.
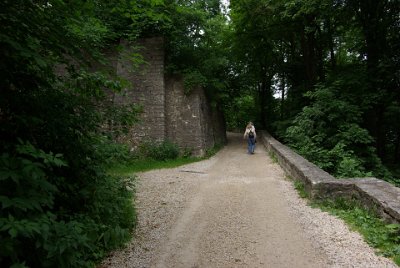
(147,87)
(168,113)
(185,124)
(191,121)
(373,193)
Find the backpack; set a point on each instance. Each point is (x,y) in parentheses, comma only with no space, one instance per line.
(251,134)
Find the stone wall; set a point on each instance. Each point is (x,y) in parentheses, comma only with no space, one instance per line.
(185,122)
(168,113)
(147,88)
(191,121)
(373,193)
(218,126)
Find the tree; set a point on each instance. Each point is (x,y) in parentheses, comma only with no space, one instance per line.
(54,192)
(304,49)
(196,45)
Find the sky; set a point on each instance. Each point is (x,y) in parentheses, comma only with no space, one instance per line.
(225,3)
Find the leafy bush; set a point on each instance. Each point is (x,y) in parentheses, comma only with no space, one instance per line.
(213,150)
(301,188)
(159,150)
(187,152)
(38,229)
(58,206)
(328,133)
(192,79)
(112,152)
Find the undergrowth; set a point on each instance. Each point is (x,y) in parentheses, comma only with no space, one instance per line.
(155,156)
(300,187)
(50,220)
(146,164)
(273,157)
(379,234)
(213,150)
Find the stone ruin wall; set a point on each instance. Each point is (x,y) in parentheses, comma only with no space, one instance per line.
(168,113)
(147,88)
(191,121)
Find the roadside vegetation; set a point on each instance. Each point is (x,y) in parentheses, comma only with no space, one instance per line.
(151,155)
(382,236)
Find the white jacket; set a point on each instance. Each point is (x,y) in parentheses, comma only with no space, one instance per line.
(247,131)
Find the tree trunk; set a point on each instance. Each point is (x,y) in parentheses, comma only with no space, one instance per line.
(308,44)
(380,133)
(283,84)
(396,156)
(319,53)
(331,44)
(263,115)
(370,14)
(265,96)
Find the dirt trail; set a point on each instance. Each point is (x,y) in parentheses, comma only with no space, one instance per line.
(238,218)
(229,211)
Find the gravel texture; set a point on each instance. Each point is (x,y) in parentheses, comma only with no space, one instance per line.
(235,210)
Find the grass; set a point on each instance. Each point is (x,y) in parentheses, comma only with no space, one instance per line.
(213,150)
(147,164)
(381,235)
(273,157)
(377,233)
(300,187)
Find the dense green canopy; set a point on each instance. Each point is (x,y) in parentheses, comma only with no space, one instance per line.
(333,68)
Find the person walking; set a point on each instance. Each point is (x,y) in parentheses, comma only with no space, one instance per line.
(250,134)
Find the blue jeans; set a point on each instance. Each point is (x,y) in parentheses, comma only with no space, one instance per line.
(251,145)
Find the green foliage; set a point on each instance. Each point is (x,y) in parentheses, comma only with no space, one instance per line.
(196,47)
(89,30)
(334,66)
(159,150)
(328,132)
(379,234)
(122,161)
(112,152)
(186,152)
(33,219)
(192,79)
(213,150)
(146,164)
(118,119)
(58,206)
(240,111)
(141,161)
(273,157)
(300,187)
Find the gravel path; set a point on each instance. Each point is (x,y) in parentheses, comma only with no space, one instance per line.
(235,210)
